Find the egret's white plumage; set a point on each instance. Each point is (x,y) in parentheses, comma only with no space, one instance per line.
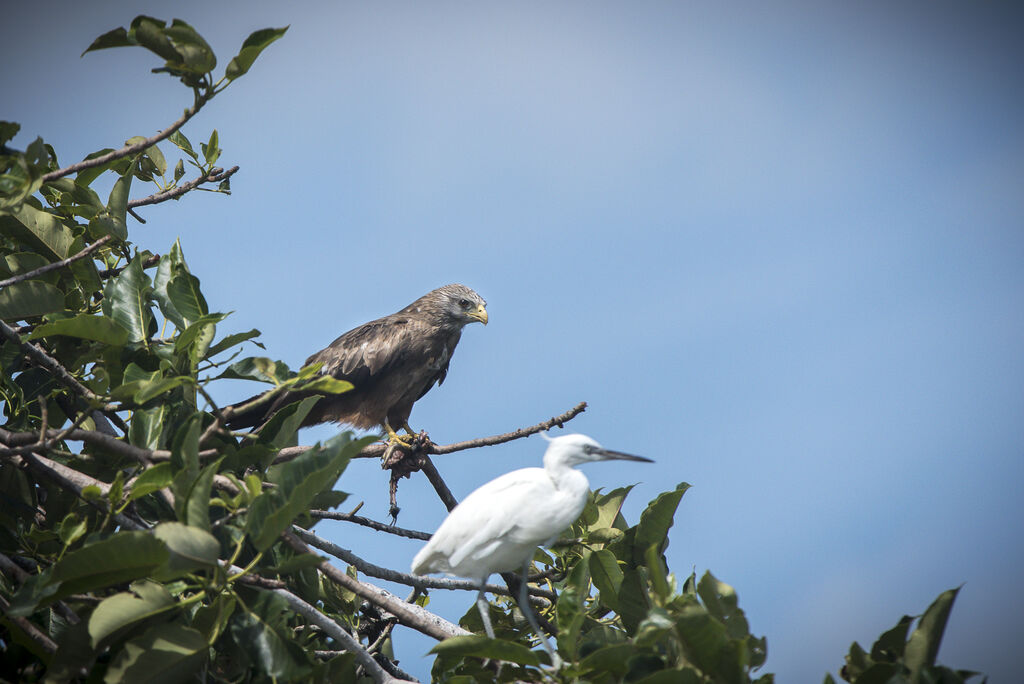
(498,526)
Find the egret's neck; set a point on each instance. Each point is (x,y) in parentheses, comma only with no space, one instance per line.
(566,478)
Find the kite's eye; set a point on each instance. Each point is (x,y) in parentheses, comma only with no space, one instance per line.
(464,303)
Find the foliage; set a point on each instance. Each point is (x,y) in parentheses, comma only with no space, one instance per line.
(142,540)
(896,659)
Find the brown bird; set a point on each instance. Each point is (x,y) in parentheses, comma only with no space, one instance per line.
(391,363)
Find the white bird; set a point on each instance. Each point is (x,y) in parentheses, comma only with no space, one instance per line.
(498,526)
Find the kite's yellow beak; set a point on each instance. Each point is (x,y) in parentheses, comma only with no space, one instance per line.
(479,314)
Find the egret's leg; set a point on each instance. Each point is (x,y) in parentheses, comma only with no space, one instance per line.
(524,605)
(484,608)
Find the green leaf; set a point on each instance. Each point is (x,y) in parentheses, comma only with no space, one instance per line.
(569,607)
(721,601)
(117,612)
(251,49)
(889,647)
(260,630)
(111,39)
(29,298)
(191,549)
(157,157)
(183,291)
(482,647)
(153,478)
(210,149)
(120,558)
(608,659)
(117,206)
(708,646)
(923,645)
(71,529)
(164,654)
(212,619)
(197,56)
(328,385)
(608,506)
(86,327)
(298,481)
(17,263)
(126,301)
(178,138)
(282,427)
(149,33)
(179,170)
(147,427)
(40,227)
(153,389)
(607,576)
(258,368)
(164,271)
(656,520)
(232,340)
(197,497)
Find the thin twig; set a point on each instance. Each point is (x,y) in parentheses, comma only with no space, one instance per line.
(128,150)
(212,176)
(372,524)
(36,272)
(150,262)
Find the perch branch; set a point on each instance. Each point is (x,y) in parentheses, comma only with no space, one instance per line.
(410,615)
(418,581)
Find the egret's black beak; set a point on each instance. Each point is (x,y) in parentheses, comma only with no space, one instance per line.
(610,455)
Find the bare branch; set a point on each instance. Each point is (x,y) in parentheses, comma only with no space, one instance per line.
(410,615)
(510,436)
(335,631)
(41,358)
(214,175)
(28,275)
(128,150)
(419,581)
(372,524)
(25,625)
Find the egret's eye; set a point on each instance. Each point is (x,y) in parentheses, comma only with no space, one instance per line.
(464,303)
(587,449)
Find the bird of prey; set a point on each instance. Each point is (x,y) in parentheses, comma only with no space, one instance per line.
(391,363)
(498,526)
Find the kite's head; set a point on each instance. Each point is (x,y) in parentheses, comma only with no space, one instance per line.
(461,304)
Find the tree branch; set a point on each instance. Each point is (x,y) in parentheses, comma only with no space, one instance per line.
(372,524)
(128,150)
(410,615)
(28,275)
(418,581)
(334,630)
(214,175)
(41,358)
(377,450)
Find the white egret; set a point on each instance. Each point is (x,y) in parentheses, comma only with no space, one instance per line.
(498,526)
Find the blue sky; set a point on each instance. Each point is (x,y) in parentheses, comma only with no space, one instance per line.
(777,248)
